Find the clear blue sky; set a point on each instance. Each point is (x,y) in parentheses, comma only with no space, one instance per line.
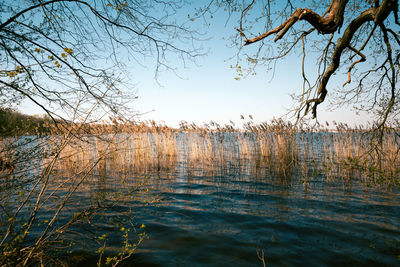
(209,91)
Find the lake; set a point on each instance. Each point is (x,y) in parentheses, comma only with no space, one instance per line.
(233,212)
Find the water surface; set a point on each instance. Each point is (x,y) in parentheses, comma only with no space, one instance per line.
(224,220)
(239,213)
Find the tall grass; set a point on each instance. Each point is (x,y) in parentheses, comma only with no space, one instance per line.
(279,148)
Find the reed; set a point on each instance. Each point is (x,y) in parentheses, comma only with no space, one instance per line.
(279,148)
(148,148)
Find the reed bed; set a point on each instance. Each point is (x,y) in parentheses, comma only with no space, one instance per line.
(277,148)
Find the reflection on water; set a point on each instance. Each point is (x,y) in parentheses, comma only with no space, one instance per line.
(198,213)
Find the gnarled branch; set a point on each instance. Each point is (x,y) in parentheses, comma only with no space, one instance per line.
(377,15)
(329,23)
(324,24)
(362,59)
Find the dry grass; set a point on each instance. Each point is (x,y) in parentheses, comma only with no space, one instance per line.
(278,149)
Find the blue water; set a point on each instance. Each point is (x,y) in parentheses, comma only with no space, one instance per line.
(229,216)
(225,220)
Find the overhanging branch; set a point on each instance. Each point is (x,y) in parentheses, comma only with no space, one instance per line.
(324,24)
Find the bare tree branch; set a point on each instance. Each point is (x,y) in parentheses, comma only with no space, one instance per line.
(327,24)
(353,39)
(362,59)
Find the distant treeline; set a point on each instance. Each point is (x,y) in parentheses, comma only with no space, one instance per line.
(13,123)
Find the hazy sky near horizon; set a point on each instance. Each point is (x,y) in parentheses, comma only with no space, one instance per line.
(208,89)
